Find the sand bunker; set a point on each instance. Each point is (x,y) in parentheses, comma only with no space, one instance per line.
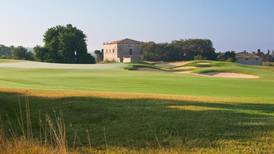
(180,63)
(231,75)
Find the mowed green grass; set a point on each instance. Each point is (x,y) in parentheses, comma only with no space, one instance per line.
(121,80)
(152,125)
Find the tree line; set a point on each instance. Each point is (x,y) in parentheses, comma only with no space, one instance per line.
(16,53)
(189,49)
(193,49)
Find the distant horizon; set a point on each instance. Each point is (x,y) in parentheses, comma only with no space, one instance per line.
(229,24)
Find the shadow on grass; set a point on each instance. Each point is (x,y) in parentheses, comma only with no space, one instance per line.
(139,123)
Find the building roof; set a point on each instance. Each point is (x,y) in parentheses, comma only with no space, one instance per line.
(124,41)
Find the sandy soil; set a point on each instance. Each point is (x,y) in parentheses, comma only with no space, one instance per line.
(181,63)
(31,64)
(230,75)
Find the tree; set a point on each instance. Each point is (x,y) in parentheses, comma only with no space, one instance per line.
(190,48)
(64,44)
(41,53)
(99,55)
(227,56)
(88,59)
(21,53)
(199,57)
(5,52)
(154,52)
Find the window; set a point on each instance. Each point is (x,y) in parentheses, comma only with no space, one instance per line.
(130,52)
(113,50)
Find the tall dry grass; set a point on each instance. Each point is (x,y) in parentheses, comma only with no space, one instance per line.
(17,137)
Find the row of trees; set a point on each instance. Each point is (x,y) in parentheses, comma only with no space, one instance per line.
(190,49)
(67,45)
(226,56)
(267,57)
(179,50)
(231,55)
(16,53)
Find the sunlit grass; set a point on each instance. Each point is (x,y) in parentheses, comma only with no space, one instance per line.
(51,94)
(193,108)
(145,82)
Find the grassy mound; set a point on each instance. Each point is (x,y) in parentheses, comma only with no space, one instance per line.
(141,65)
(199,66)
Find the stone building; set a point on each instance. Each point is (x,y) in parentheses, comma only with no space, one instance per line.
(125,50)
(248,58)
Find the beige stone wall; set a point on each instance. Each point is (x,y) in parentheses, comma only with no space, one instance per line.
(110,52)
(119,52)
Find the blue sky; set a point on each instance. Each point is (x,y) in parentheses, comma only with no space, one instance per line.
(230,24)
